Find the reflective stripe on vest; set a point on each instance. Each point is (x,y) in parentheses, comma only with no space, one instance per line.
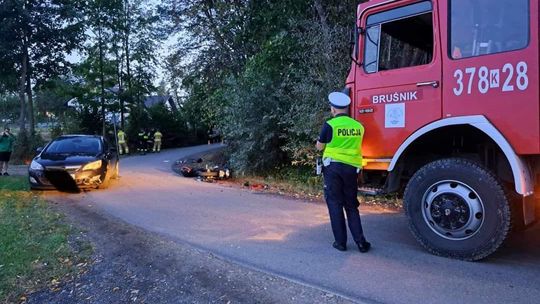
(346,144)
(121,137)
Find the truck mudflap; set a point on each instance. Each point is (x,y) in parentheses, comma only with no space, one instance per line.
(531,209)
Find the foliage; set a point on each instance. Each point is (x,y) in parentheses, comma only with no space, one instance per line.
(253,124)
(36,35)
(25,146)
(9,107)
(261,71)
(169,124)
(258,72)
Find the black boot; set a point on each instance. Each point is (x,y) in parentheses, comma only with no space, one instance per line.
(340,247)
(364,246)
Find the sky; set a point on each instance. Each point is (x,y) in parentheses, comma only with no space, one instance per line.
(164,50)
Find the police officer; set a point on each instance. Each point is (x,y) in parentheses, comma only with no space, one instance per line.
(157,141)
(122,143)
(341,139)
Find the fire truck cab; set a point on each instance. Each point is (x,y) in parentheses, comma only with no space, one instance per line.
(448,93)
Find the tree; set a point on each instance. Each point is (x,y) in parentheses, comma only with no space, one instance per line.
(36,36)
(261,71)
(123,51)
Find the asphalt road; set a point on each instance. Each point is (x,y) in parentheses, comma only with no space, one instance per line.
(292,239)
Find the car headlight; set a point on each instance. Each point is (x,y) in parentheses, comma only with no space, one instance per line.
(93,165)
(36,166)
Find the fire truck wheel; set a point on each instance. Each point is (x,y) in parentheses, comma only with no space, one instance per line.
(457,209)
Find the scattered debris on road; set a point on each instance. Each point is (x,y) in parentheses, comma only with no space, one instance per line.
(256,186)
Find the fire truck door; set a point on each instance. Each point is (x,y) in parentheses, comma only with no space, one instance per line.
(398,87)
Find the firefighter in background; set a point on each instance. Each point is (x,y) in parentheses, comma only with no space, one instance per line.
(157,141)
(122,142)
(142,137)
(148,140)
(341,140)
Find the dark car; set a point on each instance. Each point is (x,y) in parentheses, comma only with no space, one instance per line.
(74,161)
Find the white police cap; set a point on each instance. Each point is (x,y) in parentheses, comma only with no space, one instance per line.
(339,100)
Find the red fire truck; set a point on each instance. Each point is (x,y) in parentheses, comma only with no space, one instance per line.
(448,92)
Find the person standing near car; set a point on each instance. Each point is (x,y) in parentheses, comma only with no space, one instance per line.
(122,143)
(157,141)
(341,140)
(6,148)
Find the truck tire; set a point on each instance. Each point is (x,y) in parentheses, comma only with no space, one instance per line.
(457,209)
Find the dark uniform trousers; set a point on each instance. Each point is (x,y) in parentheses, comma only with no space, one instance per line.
(340,192)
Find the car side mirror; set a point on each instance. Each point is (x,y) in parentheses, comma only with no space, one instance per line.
(38,150)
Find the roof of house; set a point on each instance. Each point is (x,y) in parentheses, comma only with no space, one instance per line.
(151,101)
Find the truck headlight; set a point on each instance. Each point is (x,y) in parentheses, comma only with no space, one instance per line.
(36,166)
(93,165)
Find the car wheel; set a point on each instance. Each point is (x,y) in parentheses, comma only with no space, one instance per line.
(457,209)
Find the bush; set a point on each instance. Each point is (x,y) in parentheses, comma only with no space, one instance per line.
(170,124)
(25,147)
(56,131)
(253,124)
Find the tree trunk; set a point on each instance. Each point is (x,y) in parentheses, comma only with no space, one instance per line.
(102,77)
(119,94)
(31,121)
(127,29)
(22,91)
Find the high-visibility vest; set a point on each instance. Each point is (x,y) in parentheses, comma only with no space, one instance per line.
(121,137)
(346,144)
(158,136)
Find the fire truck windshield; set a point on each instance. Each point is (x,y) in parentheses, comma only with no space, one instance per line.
(481,27)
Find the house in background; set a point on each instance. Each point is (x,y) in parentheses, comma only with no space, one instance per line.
(166,100)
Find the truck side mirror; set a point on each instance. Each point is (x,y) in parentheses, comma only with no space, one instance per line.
(355,35)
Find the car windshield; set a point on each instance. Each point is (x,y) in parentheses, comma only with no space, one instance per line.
(75,146)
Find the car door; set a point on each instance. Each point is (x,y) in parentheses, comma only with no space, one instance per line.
(398,86)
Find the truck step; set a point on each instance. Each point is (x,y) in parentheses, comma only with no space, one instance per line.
(370,191)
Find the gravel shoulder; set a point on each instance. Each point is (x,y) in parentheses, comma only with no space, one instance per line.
(135,266)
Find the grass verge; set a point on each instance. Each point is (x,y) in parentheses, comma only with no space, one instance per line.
(297,181)
(35,249)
